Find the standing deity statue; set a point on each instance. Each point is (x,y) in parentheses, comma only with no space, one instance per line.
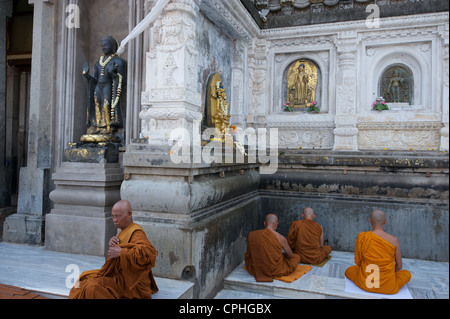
(301,85)
(395,87)
(104,117)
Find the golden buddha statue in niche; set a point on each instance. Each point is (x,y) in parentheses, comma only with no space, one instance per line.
(218,107)
(302,78)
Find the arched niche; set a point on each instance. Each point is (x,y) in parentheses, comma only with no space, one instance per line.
(302,84)
(396,84)
(412,65)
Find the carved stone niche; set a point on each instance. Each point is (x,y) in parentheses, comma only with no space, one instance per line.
(397,85)
(316,81)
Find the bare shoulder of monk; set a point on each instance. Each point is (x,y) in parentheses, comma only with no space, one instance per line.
(388,237)
(280,237)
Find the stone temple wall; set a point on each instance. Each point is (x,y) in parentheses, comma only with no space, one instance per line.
(198,215)
(352,60)
(343,188)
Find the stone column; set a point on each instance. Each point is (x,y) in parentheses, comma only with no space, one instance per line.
(257,107)
(346,133)
(5,195)
(445,97)
(27,226)
(5,169)
(189,210)
(238,90)
(170,99)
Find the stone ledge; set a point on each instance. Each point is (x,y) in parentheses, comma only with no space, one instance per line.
(431,159)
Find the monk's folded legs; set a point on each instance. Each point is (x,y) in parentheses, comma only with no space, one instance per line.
(100,288)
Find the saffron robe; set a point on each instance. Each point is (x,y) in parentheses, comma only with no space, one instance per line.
(264,257)
(127,277)
(375,256)
(304,240)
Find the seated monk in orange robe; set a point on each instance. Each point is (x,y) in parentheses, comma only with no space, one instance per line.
(378,260)
(305,238)
(127,272)
(264,258)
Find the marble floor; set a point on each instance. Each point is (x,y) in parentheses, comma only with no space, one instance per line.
(430,280)
(51,273)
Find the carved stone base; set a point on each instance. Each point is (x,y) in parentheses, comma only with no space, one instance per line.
(80,221)
(99,138)
(399,136)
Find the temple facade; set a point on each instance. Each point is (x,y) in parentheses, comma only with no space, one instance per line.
(341,105)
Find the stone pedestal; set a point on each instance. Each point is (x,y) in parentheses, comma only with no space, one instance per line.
(87,186)
(197,216)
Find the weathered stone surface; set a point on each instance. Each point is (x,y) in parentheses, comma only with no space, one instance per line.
(80,221)
(343,188)
(197,216)
(92,153)
(341,11)
(420,226)
(390,175)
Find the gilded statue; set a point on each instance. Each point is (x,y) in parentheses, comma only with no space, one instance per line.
(105,95)
(218,107)
(302,81)
(301,85)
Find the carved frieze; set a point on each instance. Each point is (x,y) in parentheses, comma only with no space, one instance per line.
(399,135)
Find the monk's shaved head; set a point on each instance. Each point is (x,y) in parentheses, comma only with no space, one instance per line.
(378,217)
(121,214)
(271,219)
(123,205)
(308,213)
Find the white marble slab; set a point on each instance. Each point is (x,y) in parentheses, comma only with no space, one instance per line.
(40,270)
(430,280)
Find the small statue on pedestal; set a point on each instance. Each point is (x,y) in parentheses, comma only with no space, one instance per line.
(104,117)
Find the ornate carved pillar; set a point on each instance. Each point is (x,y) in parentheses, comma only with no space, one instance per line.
(170,99)
(27,226)
(346,133)
(445,97)
(258,84)
(238,89)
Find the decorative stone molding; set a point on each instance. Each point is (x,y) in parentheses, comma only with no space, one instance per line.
(171,100)
(399,136)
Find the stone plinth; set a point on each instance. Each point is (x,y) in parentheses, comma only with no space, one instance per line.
(27,226)
(196,215)
(86,189)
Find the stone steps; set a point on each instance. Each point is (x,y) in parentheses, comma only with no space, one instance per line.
(429,281)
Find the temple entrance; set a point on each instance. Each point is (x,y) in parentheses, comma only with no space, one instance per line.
(15,115)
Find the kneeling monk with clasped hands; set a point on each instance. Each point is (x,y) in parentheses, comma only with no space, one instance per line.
(127,272)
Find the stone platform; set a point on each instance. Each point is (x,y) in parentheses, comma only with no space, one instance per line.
(430,280)
(44,272)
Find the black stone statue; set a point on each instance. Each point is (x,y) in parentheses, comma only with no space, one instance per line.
(106,86)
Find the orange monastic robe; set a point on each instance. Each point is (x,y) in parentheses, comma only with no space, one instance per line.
(303,238)
(264,258)
(127,277)
(374,255)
